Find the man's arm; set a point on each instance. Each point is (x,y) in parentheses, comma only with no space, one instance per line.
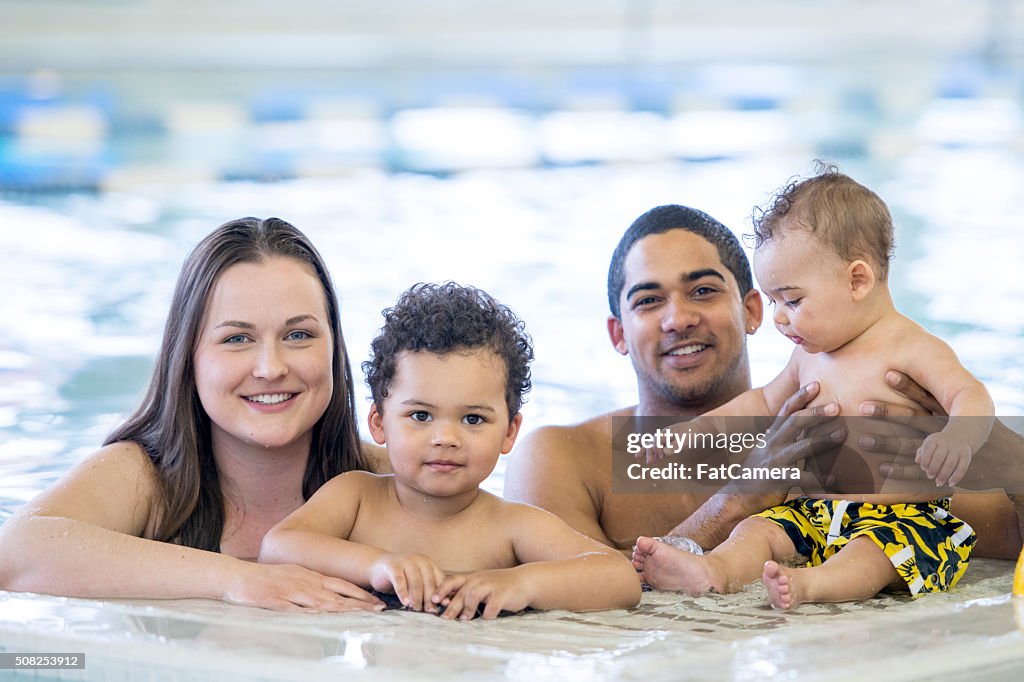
(713,521)
(786,445)
(549,469)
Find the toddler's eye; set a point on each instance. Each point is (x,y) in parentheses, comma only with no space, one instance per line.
(420,416)
(794,303)
(474,419)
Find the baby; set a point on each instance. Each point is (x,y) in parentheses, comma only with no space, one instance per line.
(448,373)
(821,257)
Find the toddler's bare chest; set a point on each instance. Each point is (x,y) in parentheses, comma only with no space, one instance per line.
(454,545)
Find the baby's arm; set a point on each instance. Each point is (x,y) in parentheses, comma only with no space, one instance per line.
(767,400)
(946,455)
(559,569)
(315,536)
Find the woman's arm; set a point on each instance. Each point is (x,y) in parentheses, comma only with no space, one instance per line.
(90,534)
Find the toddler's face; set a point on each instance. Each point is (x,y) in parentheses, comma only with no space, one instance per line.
(806,289)
(445,420)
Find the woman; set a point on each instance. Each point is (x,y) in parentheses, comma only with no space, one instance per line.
(249,410)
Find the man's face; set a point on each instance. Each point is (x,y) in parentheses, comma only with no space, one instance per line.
(683,323)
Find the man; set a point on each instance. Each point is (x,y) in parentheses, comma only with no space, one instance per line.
(682,302)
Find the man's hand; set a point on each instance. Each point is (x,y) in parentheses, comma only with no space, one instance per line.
(908,429)
(912,391)
(799,433)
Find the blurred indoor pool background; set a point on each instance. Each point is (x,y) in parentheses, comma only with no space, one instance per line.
(502,146)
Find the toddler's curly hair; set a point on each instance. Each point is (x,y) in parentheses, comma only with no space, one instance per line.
(450,318)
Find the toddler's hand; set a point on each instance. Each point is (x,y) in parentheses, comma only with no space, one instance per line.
(499,589)
(944,458)
(413,578)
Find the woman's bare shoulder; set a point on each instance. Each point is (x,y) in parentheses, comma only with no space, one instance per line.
(116,487)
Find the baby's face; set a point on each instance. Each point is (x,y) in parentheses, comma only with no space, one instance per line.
(806,289)
(445,420)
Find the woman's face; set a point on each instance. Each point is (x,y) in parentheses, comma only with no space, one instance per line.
(263,360)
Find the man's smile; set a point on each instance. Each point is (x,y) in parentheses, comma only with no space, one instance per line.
(688,349)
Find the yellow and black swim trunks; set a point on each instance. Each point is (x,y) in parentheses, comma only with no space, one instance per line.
(928,546)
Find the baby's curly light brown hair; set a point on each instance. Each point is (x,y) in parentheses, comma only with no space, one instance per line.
(847,216)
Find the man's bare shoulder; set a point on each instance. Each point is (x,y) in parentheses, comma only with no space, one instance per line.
(570,441)
(562,469)
(376,457)
(510,514)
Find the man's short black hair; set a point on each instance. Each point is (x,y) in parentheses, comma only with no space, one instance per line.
(450,318)
(672,217)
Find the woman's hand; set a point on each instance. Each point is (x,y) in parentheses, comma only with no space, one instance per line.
(286,587)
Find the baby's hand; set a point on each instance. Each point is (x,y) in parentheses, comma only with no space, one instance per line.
(413,578)
(500,589)
(944,457)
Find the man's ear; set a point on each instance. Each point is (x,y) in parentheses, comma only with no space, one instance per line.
(375,420)
(510,435)
(616,334)
(861,278)
(753,309)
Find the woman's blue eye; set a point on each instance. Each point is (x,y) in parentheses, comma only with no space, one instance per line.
(299,335)
(237,338)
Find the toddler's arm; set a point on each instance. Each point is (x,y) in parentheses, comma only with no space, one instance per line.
(559,569)
(315,536)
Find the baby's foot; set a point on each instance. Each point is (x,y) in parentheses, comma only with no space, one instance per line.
(783,586)
(667,568)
